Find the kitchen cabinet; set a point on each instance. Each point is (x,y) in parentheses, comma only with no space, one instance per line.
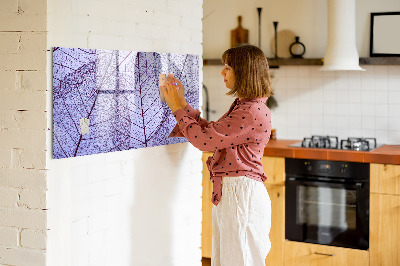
(385,178)
(305,254)
(385,214)
(206,225)
(277,233)
(384,221)
(274,168)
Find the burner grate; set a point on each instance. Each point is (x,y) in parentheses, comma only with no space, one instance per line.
(327,142)
(358,144)
(332,142)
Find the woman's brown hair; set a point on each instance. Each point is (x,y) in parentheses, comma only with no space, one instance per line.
(250,66)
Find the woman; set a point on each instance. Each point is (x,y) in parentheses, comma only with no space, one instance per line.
(242,208)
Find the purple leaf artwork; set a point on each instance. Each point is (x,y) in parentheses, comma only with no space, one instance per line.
(109,100)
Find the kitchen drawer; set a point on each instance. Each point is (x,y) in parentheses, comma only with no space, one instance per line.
(305,254)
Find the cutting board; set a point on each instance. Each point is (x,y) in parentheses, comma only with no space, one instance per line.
(239,35)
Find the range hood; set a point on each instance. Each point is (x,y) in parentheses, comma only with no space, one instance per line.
(341,51)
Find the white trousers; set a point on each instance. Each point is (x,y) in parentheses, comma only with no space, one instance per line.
(241,223)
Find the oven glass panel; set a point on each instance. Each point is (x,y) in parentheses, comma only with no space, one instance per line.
(326,207)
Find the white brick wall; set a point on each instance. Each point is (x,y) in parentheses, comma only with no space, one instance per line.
(137,207)
(100,206)
(33,239)
(9,237)
(23,132)
(9,197)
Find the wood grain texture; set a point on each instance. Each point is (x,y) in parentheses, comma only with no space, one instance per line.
(277,233)
(384,236)
(316,61)
(206,225)
(305,254)
(274,168)
(389,154)
(385,178)
(239,35)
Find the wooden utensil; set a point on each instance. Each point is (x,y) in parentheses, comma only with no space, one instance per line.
(239,35)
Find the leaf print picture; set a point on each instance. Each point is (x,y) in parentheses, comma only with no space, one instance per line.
(109,100)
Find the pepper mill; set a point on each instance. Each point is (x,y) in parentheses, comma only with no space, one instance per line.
(276,38)
(259,26)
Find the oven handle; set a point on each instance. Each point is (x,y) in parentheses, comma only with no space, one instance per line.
(357,185)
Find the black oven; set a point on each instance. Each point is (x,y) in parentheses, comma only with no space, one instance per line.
(327,202)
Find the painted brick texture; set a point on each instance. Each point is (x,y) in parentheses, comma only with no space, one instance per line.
(104,208)
(23,132)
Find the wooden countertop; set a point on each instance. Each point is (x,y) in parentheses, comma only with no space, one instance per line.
(389,154)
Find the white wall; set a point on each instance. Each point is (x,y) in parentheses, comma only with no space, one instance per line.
(23,133)
(311,102)
(137,207)
(304,18)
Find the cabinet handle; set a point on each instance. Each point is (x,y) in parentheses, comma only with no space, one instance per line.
(324,254)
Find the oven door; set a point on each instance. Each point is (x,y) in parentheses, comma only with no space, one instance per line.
(327,213)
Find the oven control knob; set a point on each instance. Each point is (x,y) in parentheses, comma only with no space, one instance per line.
(343,168)
(308,166)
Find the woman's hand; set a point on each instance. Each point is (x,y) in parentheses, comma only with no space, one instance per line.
(174,94)
(181,92)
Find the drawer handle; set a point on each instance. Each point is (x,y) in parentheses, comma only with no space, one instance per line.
(324,254)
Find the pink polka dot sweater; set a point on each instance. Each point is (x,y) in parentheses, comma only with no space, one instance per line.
(238,139)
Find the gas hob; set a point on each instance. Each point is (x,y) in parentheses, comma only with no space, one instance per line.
(332,142)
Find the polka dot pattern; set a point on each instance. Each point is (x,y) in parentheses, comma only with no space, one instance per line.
(238,139)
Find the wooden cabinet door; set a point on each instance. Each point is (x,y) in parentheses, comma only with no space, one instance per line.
(385,178)
(274,168)
(304,254)
(277,233)
(206,225)
(384,236)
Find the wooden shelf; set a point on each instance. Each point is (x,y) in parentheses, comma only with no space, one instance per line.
(273,62)
(380,61)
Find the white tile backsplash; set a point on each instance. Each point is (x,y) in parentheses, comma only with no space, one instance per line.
(394,97)
(367,97)
(329,109)
(393,71)
(394,82)
(394,110)
(381,110)
(380,71)
(381,84)
(345,103)
(342,109)
(381,97)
